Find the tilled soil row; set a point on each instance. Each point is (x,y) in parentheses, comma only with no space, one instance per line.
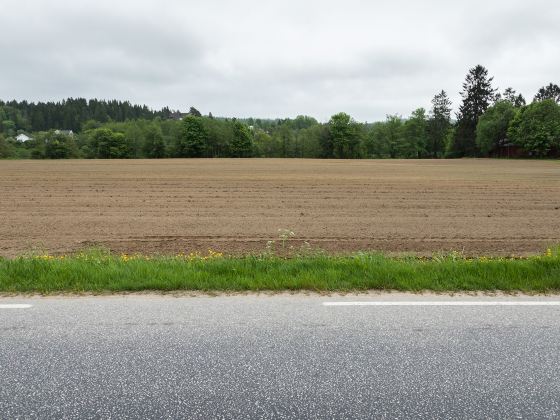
(491,207)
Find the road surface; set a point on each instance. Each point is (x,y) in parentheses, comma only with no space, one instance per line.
(284,356)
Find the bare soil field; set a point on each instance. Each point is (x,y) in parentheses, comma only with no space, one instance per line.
(491,207)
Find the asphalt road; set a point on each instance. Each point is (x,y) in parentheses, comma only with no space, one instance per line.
(277,357)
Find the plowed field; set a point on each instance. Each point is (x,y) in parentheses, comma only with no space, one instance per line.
(494,207)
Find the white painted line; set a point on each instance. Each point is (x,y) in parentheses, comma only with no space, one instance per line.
(14,306)
(447,303)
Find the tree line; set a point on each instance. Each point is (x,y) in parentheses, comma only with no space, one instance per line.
(488,123)
(70,114)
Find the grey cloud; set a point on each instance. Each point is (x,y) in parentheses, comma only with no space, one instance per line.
(273,59)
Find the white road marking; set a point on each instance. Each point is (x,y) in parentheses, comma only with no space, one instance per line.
(15,306)
(447,303)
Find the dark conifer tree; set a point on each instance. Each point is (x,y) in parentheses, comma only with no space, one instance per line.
(552,91)
(438,124)
(477,96)
(511,96)
(194,112)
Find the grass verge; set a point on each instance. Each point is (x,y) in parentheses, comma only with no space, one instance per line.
(100,272)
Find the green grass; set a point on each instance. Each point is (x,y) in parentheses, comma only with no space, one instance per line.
(101,272)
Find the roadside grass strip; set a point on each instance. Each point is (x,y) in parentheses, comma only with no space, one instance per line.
(96,271)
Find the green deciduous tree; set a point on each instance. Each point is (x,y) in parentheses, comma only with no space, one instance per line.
(192,138)
(492,127)
(345,136)
(219,135)
(536,128)
(5,148)
(385,138)
(241,144)
(60,146)
(326,143)
(263,145)
(302,122)
(9,128)
(106,144)
(374,144)
(393,134)
(283,139)
(309,139)
(414,137)
(154,145)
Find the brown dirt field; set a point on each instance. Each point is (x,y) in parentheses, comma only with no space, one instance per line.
(495,207)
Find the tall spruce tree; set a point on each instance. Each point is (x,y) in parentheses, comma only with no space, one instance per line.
(438,124)
(477,95)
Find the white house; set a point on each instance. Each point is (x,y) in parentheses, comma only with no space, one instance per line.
(65,132)
(23,138)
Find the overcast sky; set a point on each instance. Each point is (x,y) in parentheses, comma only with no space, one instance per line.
(274,58)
